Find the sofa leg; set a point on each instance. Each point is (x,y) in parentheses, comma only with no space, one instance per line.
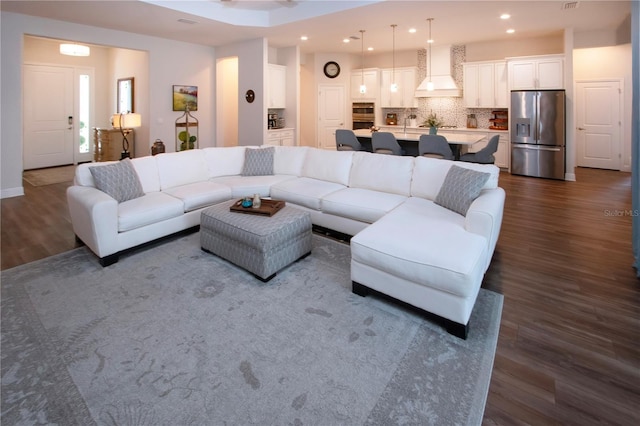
(457,329)
(109,260)
(359,289)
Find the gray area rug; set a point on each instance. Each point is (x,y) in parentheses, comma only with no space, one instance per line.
(171,335)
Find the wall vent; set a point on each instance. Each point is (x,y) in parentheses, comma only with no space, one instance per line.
(570,5)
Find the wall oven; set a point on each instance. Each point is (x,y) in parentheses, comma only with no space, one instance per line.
(363,115)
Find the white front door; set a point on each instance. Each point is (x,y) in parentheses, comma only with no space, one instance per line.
(331,114)
(598,126)
(48,116)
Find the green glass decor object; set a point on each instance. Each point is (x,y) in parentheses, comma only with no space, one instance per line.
(186,131)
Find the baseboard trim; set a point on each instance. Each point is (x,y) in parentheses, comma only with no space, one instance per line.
(12,192)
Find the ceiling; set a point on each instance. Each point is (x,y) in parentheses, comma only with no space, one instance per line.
(327,23)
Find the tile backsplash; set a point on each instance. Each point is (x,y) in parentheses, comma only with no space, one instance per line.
(451,110)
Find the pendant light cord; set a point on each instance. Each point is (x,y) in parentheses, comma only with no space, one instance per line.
(430,42)
(362,55)
(393,76)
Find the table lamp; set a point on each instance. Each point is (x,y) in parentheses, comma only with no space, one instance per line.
(126,121)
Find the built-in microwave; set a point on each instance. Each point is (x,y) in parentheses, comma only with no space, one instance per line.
(363,115)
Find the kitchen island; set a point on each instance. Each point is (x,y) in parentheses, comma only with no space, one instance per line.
(409,140)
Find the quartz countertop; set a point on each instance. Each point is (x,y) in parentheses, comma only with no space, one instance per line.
(277,129)
(451,136)
(400,128)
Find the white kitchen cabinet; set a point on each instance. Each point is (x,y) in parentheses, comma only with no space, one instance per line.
(406,81)
(371,80)
(536,72)
(276,90)
(501,84)
(281,137)
(485,84)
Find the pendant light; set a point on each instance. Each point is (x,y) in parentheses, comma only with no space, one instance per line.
(394,86)
(363,88)
(430,42)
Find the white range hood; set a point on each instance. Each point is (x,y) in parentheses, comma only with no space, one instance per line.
(443,83)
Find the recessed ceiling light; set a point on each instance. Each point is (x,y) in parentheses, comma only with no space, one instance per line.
(505,16)
(511,31)
(304,38)
(345,40)
(430,41)
(412,30)
(369,49)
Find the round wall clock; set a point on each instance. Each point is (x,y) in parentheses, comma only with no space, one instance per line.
(331,69)
(250,96)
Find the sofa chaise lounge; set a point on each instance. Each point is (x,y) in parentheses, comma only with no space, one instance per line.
(411,240)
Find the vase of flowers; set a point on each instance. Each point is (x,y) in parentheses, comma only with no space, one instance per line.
(433,122)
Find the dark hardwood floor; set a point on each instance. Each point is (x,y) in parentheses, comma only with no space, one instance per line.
(569,348)
(36,225)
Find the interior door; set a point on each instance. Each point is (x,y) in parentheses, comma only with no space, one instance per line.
(598,124)
(48,116)
(331,114)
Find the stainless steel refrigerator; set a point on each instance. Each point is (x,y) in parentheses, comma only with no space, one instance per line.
(538,133)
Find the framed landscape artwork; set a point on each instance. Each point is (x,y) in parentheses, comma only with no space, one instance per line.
(184,96)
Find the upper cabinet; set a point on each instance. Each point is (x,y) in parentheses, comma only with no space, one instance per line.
(485,84)
(406,81)
(371,80)
(536,72)
(276,90)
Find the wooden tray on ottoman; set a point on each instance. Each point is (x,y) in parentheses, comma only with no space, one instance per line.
(267,207)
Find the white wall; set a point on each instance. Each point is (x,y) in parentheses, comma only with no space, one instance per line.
(308,103)
(613,62)
(500,49)
(170,62)
(252,74)
(290,57)
(126,63)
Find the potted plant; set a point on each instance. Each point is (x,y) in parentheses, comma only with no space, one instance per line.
(433,122)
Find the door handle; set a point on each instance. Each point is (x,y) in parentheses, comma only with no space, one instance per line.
(581,128)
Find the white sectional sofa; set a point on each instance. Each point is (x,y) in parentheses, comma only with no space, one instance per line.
(404,244)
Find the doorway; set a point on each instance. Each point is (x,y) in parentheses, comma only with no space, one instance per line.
(227,101)
(331,114)
(598,124)
(57,115)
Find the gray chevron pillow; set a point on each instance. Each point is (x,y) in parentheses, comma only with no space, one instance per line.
(460,187)
(258,161)
(119,180)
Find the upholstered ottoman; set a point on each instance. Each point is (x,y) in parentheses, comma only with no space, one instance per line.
(260,244)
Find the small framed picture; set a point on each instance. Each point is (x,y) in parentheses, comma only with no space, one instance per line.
(185,96)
